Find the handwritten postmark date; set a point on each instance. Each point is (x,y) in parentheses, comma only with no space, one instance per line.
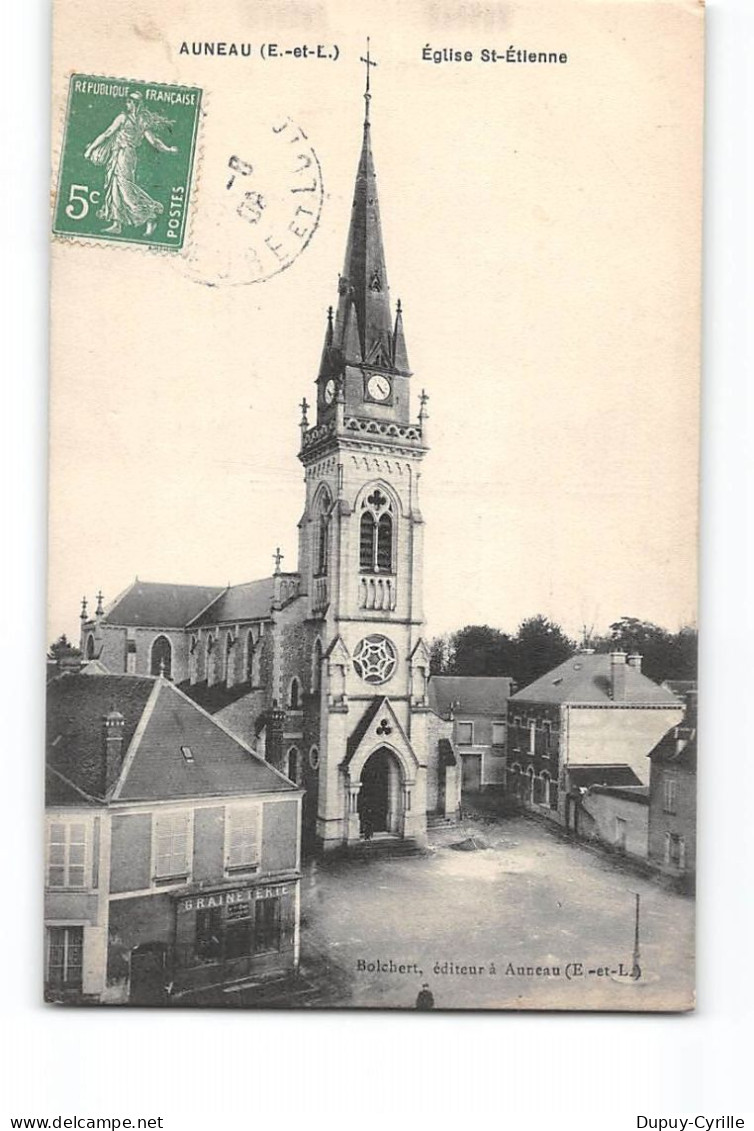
(127,161)
(260,206)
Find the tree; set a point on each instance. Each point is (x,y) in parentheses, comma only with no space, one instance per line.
(665,655)
(478,649)
(540,646)
(63,647)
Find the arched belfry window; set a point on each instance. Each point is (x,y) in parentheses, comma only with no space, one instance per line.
(161,657)
(316,665)
(376,534)
(294,695)
(90,647)
(322,529)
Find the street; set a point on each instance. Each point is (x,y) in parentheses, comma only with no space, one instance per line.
(553,919)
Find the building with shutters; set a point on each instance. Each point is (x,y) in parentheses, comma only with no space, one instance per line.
(172,849)
(591,721)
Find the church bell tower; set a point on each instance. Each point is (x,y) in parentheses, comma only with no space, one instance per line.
(360,548)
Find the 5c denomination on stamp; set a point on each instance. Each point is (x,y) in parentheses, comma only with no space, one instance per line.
(127,161)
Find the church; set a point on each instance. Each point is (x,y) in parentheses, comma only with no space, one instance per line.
(325,670)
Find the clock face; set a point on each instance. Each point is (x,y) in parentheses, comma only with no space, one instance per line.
(378,387)
(329,391)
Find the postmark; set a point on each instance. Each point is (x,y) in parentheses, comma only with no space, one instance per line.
(127,161)
(260,204)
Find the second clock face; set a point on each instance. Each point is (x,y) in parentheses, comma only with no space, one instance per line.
(329,391)
(378,387)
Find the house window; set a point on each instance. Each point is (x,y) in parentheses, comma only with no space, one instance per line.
(252,656)
(532,735)
(65,955)
(242,832)
(547,738)
(171,846)
(669,795)
(675,851)
(498,734)
(66,854)
(465,734)
(267,925)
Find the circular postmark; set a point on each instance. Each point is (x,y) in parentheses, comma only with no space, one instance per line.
(257,207)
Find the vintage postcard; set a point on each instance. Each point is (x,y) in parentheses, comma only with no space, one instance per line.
(373,504)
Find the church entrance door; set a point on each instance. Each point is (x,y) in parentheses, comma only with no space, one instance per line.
(380,795)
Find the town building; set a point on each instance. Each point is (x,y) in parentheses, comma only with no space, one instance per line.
(590,721)
(325,669)
(172,849)
(477,707)
(672,798)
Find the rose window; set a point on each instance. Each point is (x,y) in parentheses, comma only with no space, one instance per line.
(374,659)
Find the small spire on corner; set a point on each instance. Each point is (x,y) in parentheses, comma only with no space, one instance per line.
(82,614)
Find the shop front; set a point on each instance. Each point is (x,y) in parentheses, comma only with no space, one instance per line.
(230,934)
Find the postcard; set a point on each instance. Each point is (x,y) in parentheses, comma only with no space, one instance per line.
(374,416)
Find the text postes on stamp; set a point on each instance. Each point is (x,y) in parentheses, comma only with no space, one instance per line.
(259,205)
(126,161)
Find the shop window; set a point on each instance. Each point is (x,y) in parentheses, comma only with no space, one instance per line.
(675,851)
(239,930)
(267,925)
(209,934)
(243,838)
(65,958)
(498,734)
(465,734)
(66,854)
(171,846)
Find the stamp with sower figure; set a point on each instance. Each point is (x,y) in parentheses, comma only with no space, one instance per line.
(127,160)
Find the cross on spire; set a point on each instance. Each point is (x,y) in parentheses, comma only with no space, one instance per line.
(277,558)
(368,62)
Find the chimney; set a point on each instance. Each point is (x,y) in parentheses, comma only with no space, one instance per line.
(618,676)
(634,661)
(274,742)
(113,722)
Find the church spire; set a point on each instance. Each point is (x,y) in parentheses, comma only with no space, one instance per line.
(363,313)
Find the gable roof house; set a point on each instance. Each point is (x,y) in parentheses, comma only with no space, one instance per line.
(672,798)
(173,850)
(589,722)
(477,708)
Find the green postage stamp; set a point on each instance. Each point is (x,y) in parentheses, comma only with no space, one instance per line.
(127,161)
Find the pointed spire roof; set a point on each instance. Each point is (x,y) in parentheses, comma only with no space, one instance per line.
(364,330)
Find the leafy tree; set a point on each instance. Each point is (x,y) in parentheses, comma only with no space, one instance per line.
(665,655)
(478,649)
(540,646)
(63,647)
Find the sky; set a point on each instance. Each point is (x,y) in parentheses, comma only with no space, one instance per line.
(542,230)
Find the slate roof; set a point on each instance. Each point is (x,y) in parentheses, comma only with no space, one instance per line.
(250,601)
(76,707)
(157,721)
(586,679)
(478,695)
(220,764)
(676,748)
(158,605)
(587,776)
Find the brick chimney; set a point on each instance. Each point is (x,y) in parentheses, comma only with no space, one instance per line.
(634,661)
(113,723)
(274,741)
(618,676)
